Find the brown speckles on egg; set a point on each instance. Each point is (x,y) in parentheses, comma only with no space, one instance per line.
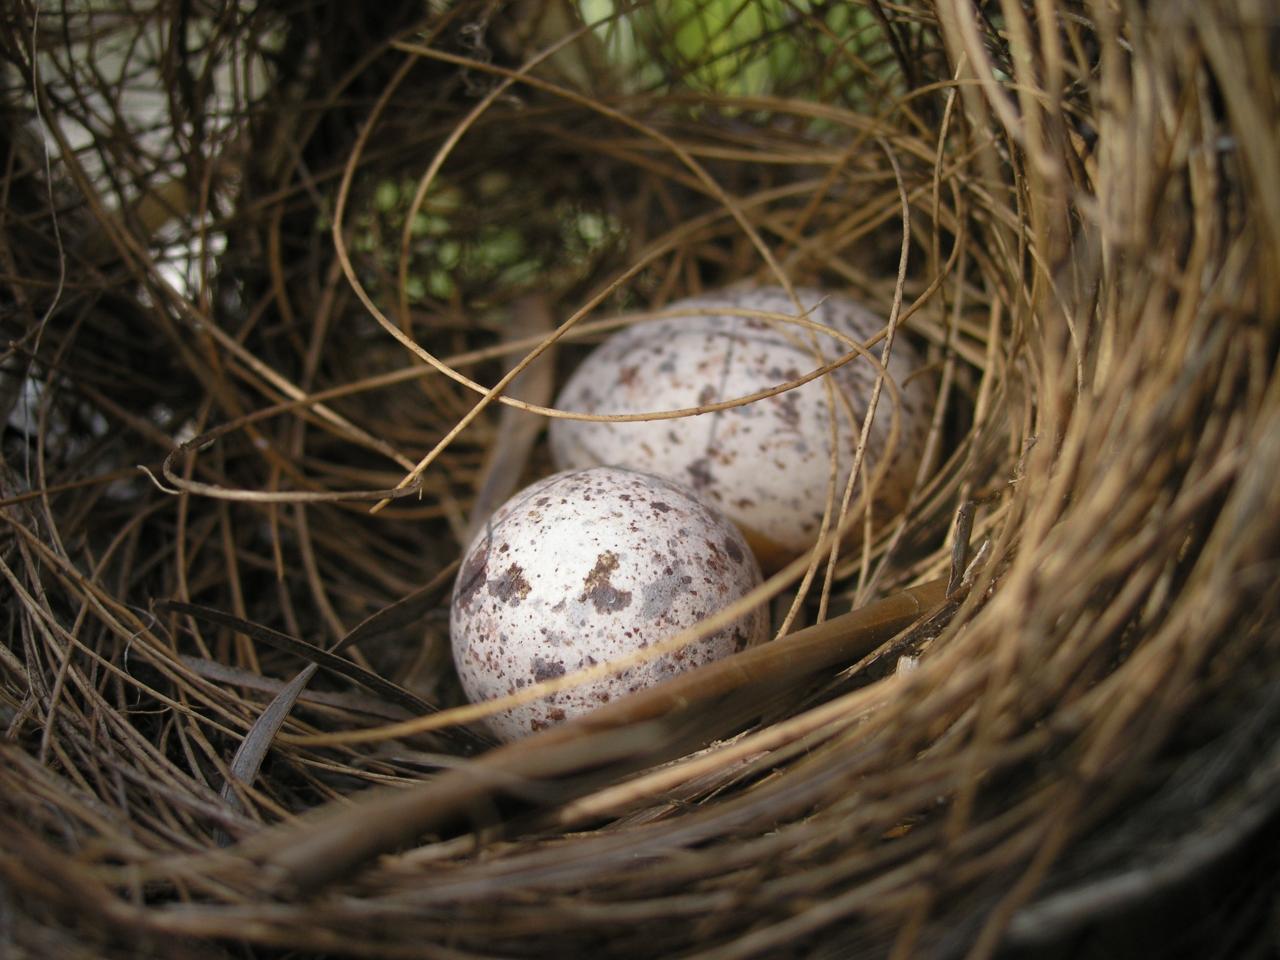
(733,550)
(658,595)
(602,594)
(619,562)
(546,669)
(692,360)
(788,409)
(699,474)
(511,587)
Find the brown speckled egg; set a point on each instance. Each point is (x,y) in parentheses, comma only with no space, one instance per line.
(586,567)
(764,464)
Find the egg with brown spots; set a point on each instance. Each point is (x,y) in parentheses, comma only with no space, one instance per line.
(587,567)
(764,464)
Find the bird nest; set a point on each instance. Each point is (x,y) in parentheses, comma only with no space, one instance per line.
(288,291)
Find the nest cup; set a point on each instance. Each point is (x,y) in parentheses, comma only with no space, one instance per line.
(288,296)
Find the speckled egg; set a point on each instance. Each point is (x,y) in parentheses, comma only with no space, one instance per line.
(764,464)
(586,567)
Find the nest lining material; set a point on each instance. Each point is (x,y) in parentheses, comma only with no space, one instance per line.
(231,724)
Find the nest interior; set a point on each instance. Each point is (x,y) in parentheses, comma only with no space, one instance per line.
(268,272)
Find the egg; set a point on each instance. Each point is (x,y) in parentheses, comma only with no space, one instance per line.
(764,464)
(586,567)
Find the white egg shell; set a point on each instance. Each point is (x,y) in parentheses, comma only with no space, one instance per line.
(764,464)
(586,567)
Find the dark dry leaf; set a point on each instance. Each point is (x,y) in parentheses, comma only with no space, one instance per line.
(322,659)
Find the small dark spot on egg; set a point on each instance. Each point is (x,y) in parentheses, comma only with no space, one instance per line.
(597,588)
(700,473)
(546,669)
(788,409)
(511,587)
